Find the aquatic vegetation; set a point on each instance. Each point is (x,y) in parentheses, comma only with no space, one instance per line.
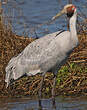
(71,78)
(62,74)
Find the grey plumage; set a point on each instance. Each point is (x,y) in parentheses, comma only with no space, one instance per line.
(48,53)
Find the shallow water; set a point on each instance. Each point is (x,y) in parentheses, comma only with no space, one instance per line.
(28,15)
(62,103)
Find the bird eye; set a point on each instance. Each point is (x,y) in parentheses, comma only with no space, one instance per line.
(73,8)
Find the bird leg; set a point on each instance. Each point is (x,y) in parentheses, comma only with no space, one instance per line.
(40,90)
(53,90)
(41,84)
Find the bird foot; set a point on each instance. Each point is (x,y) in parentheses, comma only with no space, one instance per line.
(53,102)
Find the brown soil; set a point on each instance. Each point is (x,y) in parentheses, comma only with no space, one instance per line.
(11,45)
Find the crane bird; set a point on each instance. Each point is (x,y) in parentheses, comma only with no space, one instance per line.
(46,54)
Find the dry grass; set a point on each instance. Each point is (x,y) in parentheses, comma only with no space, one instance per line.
(11,45)
(79,55)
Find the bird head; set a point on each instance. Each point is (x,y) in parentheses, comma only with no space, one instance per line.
(69,10)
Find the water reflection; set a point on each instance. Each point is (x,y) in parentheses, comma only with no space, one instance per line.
(53,103)
(61,103)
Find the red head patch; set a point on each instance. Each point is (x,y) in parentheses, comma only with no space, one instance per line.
(70,11)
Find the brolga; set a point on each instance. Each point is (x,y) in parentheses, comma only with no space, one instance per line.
(46,54)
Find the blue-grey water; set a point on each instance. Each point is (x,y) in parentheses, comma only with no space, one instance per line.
(62,103)
(30,17)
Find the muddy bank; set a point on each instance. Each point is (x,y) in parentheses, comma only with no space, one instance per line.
(71,79)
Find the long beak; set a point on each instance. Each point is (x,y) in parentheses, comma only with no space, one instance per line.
(59,14)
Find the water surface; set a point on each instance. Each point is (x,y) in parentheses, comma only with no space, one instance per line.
(62,103)
(28,15)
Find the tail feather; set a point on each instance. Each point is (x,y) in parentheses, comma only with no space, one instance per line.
(9,70)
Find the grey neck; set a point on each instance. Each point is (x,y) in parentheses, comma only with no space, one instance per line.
(73,31)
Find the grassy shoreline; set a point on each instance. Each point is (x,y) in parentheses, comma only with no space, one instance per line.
(71,79)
